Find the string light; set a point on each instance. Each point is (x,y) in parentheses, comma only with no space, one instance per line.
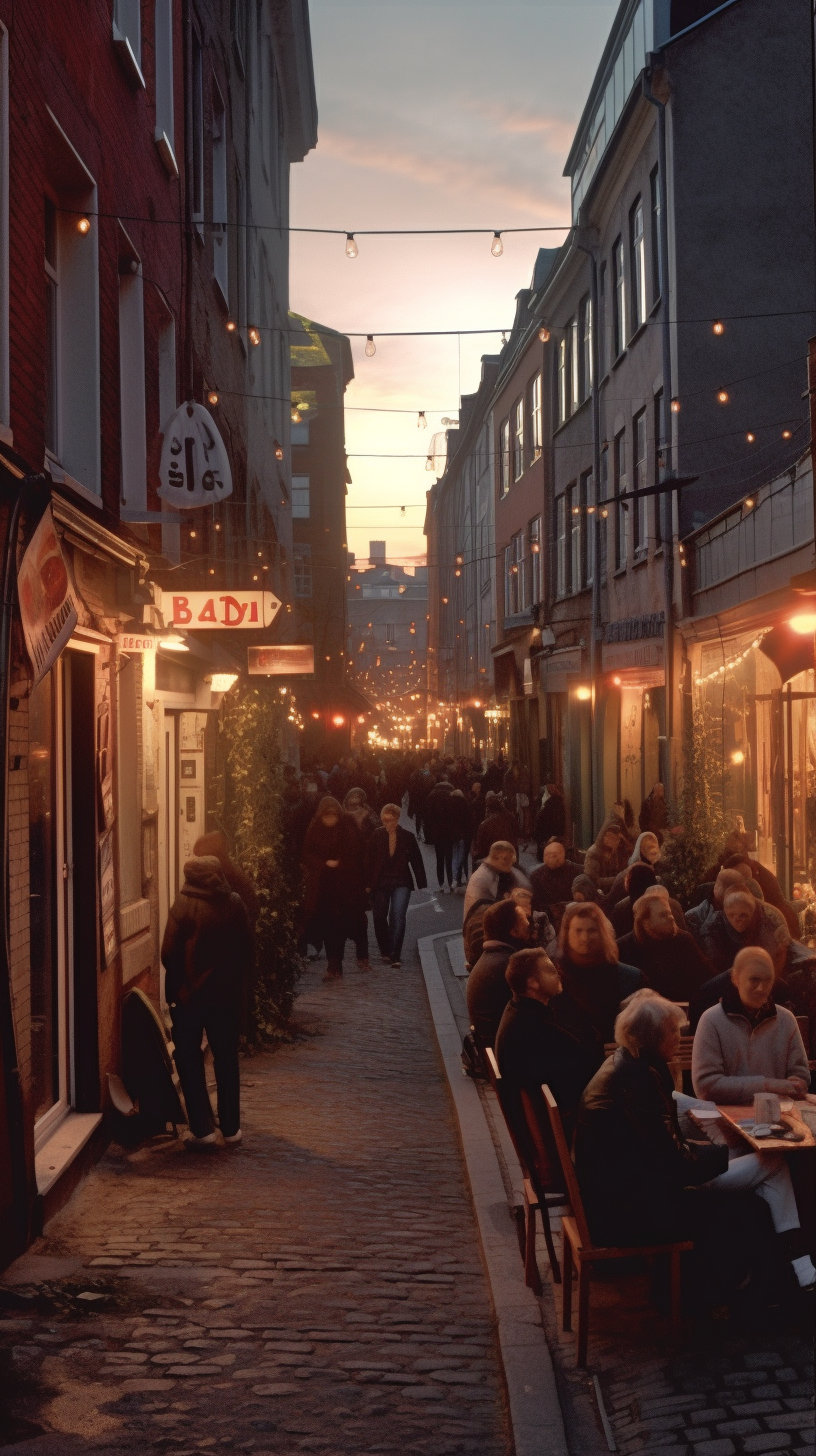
(231,326)
(84,225)
(675,406)
(733,662)
(748,503)
(722,396)
(212,397)
(254,335)
(497,246)
(544,334)
(750,437)
(786,434)
(422,424)
(278,449)
(351,247)
(718,327)
(371,347)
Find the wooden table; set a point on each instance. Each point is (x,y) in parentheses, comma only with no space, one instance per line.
(733,1115)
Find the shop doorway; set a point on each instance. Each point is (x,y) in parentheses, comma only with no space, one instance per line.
(182,805)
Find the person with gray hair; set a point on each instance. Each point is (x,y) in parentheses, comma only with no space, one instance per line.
(643,1181)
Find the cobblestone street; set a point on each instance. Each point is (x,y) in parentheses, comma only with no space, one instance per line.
(318,1289)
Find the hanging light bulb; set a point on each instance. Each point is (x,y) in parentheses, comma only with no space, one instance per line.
(231,326)
(218,525)
(786,434)
(84,225)
(278,449)
(544,334)
(212,397)
(351,247)
(497,246)
(296,417)
(722,396)
(675,406)
(371,347)
(718,327)
(422,423)
(254,335)
(750,437)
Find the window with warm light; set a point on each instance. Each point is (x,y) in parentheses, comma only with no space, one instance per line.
(518,439)
(536,419)
(504,457)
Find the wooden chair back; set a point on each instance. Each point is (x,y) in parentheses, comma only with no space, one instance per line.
(567,1168)
(497,1084)
(546,1163)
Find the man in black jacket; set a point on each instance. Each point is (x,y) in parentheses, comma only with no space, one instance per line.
(505,930)
(206,952)
(542,1036)
(670,959)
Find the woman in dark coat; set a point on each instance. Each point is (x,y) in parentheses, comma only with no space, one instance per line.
(394,866)
(334,896)
(206,953)
(551,819)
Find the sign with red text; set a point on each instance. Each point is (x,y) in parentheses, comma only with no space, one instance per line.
(285,659)
(48,606)
(207,611)
(136,642)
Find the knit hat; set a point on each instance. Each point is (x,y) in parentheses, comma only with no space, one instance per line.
(203,872)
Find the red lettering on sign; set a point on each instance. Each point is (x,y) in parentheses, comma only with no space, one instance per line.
(181,610)
(232,606)
(253,611)
(207,613)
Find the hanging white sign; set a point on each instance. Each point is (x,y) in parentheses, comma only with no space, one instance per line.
(194,467)
(202,610)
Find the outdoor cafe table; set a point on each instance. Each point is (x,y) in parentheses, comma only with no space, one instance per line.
(732,1116)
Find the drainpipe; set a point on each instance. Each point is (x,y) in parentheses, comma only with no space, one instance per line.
(667,501)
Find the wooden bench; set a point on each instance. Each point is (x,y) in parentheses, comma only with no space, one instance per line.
(582,1253)
(536,1197)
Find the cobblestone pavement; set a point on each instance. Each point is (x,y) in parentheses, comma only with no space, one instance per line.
(318,1289)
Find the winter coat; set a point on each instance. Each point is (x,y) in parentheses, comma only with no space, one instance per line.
(622,916)
(487,883)
(602,864)
(437,815)
(499,825)
(458,814)
(207,944)
(598,990)
(553,887)
(339,891)
(720,941)
(473,930)
(553,1044)
(215,844)
(734,1053)
(631,1158)
(356,804)
(550,821)
(675,968)
(396,869)
(487,991)
(711,992)
(654,814)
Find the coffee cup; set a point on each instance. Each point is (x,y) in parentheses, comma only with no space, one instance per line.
(766,1107)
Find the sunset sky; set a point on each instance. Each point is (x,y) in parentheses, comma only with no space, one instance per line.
(456,113)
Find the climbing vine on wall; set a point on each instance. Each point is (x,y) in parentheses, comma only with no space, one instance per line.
(701,818)
(250,782)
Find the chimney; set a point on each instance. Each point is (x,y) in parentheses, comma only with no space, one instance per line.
(376,553)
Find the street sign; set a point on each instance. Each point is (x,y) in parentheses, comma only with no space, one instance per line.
(285,659)
(194,468)
(206,611)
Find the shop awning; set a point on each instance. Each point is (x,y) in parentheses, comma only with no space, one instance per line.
(789,651)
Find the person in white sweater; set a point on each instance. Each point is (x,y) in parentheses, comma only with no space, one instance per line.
(495,876)
(746,1044)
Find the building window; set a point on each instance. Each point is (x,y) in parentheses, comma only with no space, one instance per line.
(51,329)
(520,572)
(133,420)
(602,320)
(585,316)
(619,300)
(587,504)
(637,245)
(514,576)
(300,497)
(165,135)
(659,462)
(219,196)
(518,439)
(562,380)
(639,482)
(654,183)
(561,546)
(504,458)
(575,366)
(536,419)
(603,495)
(534,536)
(619,485)
(390,634)
(197,140)
(576,534)
(127,35)
(302,562)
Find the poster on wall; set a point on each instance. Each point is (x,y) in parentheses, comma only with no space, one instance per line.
(107,897)
(48,606)
(283,659)
(104,772)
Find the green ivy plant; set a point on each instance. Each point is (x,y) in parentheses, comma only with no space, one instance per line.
(250,790)
(700,826)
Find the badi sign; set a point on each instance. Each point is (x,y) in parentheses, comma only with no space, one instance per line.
(205,611)
(281,660)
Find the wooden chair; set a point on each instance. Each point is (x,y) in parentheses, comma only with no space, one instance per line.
(535,1200)
(580,1251)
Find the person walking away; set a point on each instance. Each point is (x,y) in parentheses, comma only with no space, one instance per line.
(498,823)
(394,868)
(459,818)
(207,952)
(334,894)
(551,819)
(438,831)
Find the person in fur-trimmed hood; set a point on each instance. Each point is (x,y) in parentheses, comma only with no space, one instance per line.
(207,952)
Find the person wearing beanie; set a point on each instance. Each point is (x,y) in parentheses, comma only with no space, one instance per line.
(334,897)
(207,953)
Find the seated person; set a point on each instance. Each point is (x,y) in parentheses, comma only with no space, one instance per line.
(495,875)
(608,855)
(747,1044)
(541,930)
(552,881)
(583,888)
(767,881)
(542,1036)
(645,852)
(643,1182)
(670,959)
(473,929)
(505,927)
(591,969)
(702,910)
(743,920)
(640,879)
(498,823)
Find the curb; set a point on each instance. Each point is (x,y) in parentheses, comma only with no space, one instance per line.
(536,1419)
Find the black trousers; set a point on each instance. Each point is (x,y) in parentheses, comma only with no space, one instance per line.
(444,862)
(221,1026)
